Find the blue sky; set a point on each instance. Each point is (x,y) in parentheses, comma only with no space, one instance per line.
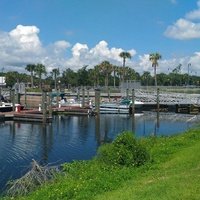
(74,33)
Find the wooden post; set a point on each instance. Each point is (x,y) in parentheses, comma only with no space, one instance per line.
(158,100)
(44,110)
(83,97)
(88,96)
(50,104)
(78,94)
(109,94)
(18,97)
(13,99)
(97,101)
(25,98)
(133,101)
(127,93)
(57,98)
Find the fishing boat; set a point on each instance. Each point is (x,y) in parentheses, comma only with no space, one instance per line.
(122,107)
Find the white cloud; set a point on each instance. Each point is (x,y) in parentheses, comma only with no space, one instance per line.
(183,29)
(26,37)
(79,49)
(83,55)
(167,66)
(195,14)
(22,46)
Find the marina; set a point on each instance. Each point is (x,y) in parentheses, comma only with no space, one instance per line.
(74,126)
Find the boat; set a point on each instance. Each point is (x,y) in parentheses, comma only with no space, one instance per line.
(67,103)
(122,107)
(6,107)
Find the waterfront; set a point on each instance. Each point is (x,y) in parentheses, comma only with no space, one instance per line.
(70,138)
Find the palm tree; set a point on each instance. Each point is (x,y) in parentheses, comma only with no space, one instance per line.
(31,68)
(114,74)
(106,69)
(154,57)
(94,75)
(55,73)
(40,69)
(124,55)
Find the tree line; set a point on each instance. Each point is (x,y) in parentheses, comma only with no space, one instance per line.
(103,74)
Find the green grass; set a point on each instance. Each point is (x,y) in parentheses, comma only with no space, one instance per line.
(172,173)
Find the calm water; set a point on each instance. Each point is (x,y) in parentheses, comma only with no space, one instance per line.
(73,138)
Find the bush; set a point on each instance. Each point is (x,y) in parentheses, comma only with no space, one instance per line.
(124,151)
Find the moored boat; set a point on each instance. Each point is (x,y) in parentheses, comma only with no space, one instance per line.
(6,107)
(122,107)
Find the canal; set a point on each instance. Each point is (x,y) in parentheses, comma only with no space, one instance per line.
(70,138)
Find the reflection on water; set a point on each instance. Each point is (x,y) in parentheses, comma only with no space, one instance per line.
(70,138)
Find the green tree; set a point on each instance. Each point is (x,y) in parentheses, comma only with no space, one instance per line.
(82,76)
(146,78)
(55,73)
(94,75)
(15,77)
(69,78)
(31,68)
(106,70)
(131,74)
(124,55)
(119,71)
(154,57)
(40,70)
(114,75)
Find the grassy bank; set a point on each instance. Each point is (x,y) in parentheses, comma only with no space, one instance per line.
(173,172)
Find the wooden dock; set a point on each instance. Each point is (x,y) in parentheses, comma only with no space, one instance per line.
(25,115)
(34,115)
(71,110)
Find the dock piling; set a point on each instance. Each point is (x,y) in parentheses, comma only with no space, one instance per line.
(97,101)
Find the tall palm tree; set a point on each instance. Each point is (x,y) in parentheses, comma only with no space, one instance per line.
(124,55)
(55,73)
(31,68)
(154,57)
(40,69)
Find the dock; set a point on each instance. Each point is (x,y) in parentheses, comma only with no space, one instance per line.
(26,115)
(34,115)
(71,110)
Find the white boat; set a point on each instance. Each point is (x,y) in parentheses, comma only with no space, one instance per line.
(70,102)
(6,107)
(122,107)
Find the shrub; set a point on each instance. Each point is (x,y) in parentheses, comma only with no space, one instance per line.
(125,150)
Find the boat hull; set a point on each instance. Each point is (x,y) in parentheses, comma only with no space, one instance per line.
(114,109)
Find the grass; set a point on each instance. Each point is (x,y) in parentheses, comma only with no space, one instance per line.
(172,173)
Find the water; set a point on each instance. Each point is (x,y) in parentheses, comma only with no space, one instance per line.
(70,138)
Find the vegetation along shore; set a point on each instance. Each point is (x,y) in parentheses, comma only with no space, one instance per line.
(129,168)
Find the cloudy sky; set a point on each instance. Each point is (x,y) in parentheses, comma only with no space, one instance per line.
(74,33)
